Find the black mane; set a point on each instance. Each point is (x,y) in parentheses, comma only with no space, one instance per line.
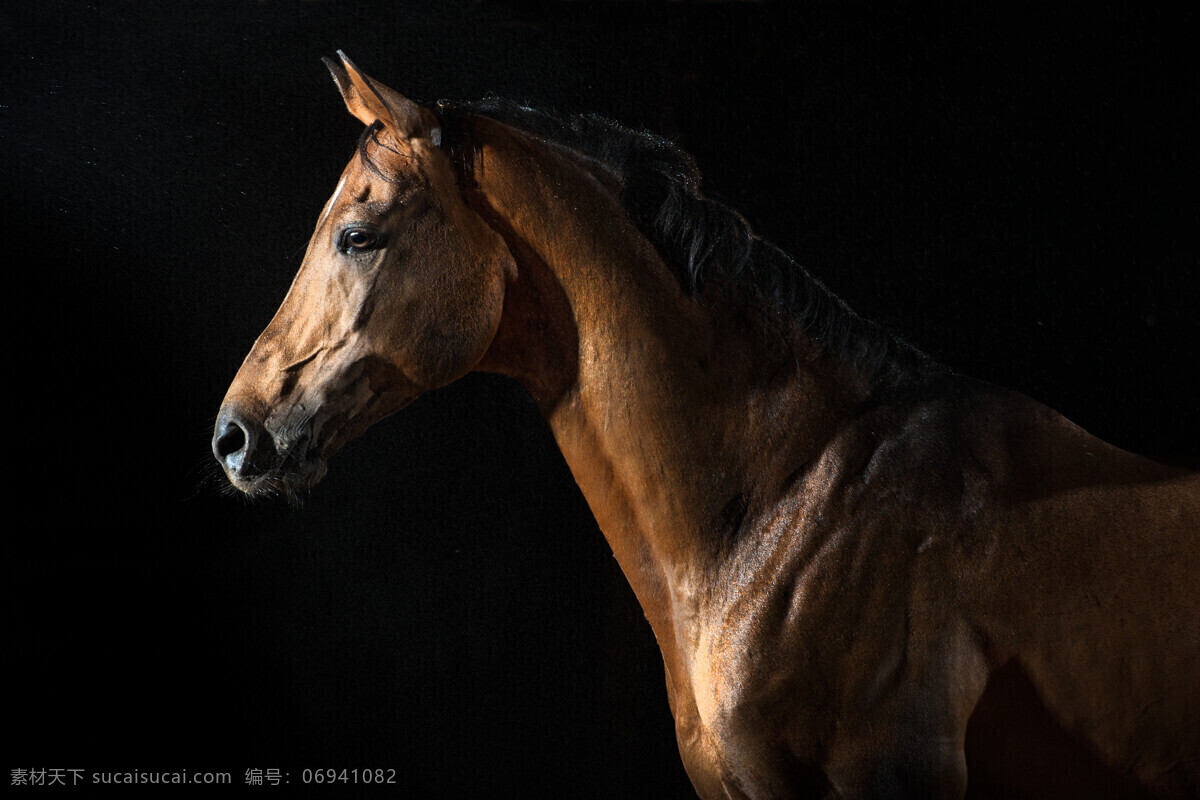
(702,239)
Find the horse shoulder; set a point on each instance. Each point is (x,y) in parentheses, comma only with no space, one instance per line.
(831,655)
(1081,580)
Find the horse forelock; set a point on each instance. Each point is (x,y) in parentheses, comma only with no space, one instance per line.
(369,144)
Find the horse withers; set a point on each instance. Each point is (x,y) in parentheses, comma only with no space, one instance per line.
(869,576)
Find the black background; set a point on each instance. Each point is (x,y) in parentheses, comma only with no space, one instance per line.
(1015,192)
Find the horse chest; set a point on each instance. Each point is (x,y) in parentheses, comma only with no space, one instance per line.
(734,710)
(766,674)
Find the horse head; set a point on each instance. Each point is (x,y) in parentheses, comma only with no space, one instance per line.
(400,292)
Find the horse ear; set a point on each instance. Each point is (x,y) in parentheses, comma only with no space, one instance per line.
(370,100)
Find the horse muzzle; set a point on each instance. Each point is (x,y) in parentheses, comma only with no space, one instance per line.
(260,462)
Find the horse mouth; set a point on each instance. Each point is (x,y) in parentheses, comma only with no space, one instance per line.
(292,476)
(264,461)
(274,470)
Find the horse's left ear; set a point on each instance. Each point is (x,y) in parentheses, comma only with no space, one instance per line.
(370,100)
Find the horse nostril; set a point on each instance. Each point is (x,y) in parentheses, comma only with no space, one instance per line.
(230,442)
(245,448)
(234,440)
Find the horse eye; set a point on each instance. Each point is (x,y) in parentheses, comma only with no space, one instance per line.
(359,239)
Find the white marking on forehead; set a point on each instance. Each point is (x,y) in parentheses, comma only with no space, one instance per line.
(332,200)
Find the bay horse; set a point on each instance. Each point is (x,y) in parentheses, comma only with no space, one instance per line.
(869,576)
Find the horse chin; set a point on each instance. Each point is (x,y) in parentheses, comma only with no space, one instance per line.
(307,474)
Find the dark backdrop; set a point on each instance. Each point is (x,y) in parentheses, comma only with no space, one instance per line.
(1014,192)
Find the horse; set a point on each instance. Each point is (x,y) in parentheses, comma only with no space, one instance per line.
(869,576)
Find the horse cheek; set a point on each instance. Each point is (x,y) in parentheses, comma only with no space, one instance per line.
(441,338)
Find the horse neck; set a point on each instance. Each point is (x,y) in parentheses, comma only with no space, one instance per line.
(678,417)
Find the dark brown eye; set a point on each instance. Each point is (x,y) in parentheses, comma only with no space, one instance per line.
(360,240)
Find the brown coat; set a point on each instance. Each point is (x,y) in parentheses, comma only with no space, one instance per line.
(869,577)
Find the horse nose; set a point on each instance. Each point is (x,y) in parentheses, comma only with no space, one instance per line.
(234,439)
